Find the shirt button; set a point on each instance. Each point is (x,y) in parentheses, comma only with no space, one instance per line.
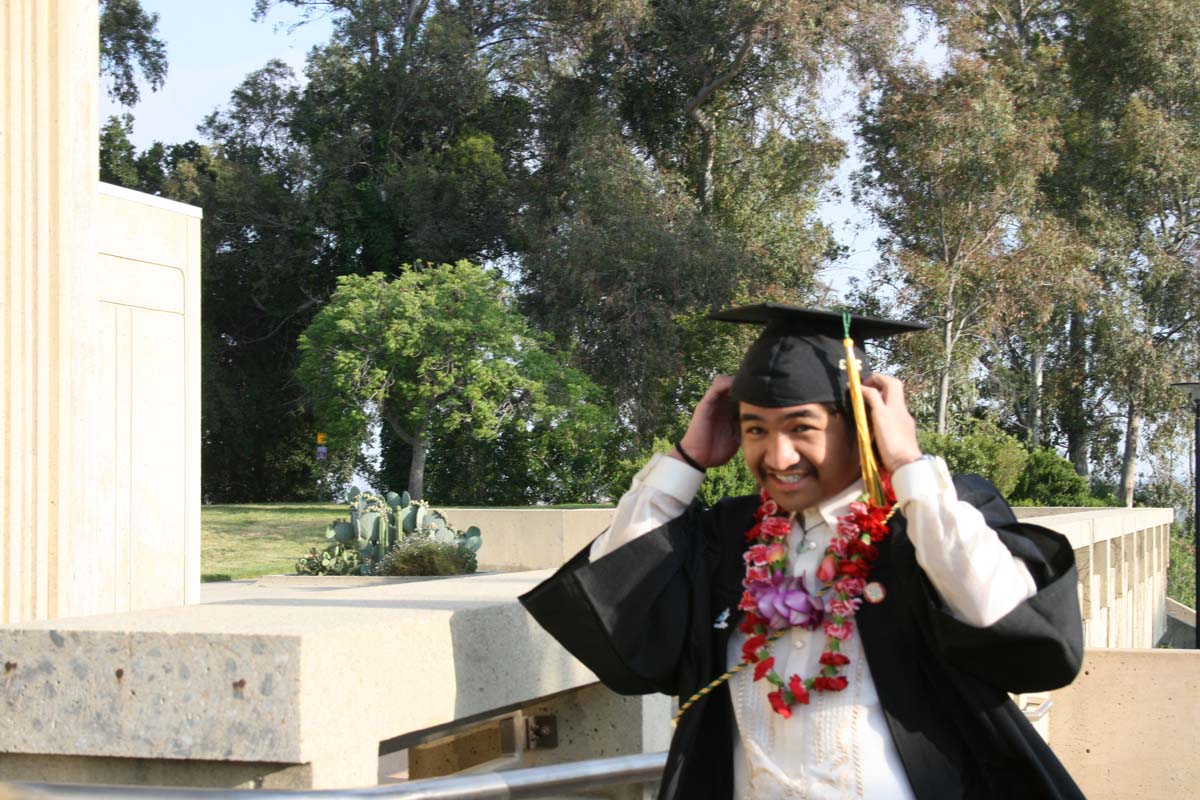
(799,643)
(811,545)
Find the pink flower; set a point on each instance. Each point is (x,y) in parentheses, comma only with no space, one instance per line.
(839,631)
(757,555)
(828,569)
(840,546)
(777,527)
(770,508)
(851,587)
(844,608)
(848,528)
(859,509)
(756,575)
(785,602)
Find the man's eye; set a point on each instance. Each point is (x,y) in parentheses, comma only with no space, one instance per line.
(754,430)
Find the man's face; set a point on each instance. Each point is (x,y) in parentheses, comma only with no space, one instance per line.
(799,454)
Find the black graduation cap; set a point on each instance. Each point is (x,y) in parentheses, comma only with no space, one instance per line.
(800,356)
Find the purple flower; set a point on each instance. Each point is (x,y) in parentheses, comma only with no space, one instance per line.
(784,602)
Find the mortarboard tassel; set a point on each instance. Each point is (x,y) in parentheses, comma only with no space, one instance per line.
(866,451)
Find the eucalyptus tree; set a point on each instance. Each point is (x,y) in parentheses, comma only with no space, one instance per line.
(1135,158)
(951,171)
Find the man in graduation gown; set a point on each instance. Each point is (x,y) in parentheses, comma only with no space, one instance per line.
(964,603)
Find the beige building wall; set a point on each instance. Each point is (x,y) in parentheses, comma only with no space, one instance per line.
(48,168)
(99,347)
(147,399)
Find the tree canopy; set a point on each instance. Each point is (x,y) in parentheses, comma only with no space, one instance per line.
(621,169)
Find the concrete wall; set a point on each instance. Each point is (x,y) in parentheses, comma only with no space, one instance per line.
(516,539)
(1129,726)
(99,347)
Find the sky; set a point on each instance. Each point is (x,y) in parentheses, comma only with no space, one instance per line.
(211,47)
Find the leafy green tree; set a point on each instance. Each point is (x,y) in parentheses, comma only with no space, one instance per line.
(432,352)
(118,156)
(129,44)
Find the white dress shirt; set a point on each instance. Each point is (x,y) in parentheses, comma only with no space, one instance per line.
(838,746)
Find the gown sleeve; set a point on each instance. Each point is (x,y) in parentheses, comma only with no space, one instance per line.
(1036,646)
(628,614)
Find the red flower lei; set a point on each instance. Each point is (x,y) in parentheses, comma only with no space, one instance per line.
(844,570)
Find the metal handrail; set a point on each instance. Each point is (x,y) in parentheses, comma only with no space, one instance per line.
(516,783)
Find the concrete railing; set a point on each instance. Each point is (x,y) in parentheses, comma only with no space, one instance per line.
(1121,555)
(299,683)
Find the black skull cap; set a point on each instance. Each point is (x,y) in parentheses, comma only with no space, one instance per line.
(799,357)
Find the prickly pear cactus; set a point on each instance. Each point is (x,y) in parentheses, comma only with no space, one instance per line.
(375,526)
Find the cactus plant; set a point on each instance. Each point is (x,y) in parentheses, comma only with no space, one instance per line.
(376,525)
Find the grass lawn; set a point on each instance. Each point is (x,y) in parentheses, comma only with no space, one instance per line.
(254,540)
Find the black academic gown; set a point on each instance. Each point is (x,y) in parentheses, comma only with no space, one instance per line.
(642,618)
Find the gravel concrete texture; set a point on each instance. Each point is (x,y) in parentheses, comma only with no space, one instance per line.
(284,674)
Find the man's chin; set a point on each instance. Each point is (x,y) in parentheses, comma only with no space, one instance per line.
(797,499)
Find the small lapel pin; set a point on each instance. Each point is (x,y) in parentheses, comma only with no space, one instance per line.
(722,620)
(874,592)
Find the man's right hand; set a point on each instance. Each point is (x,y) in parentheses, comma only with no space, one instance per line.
(712,437)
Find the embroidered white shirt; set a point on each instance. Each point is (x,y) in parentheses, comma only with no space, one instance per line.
(839,745)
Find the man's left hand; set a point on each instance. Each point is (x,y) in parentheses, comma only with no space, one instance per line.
(893,427)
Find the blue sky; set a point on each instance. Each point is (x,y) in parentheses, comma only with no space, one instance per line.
(211,47)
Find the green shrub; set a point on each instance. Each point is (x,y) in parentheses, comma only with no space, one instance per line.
(419,555)
(983,450)
(1051,480)
(1181,570)
(732,479)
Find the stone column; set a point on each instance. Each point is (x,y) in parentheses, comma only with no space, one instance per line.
(49,87)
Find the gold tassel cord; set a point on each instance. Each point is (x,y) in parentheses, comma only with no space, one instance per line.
(713,684)
(866,453)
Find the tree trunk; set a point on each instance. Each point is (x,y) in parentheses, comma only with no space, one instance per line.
(943,399)
(1133,427)
(705,189)
(1038,368)
(1074,418)
(416,468)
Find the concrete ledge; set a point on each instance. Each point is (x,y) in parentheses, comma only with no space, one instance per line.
(286,674)
(1084,527)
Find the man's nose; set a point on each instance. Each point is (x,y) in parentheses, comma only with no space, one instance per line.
(781,454)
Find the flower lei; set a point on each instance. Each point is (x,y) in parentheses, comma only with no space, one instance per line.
(775,601)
